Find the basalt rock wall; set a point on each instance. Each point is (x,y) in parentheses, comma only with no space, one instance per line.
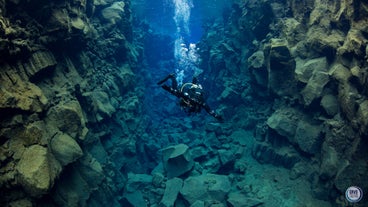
(309,59)
(66,76)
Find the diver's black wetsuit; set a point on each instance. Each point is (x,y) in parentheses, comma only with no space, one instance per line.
(193,101)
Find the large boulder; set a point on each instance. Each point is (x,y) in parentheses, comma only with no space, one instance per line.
(137,182)
(354,43)
(101,105)
(68,118)
(322,42)
(134,188)
(134,199)
(330,104)
(91,170)
(359,75)
(314,88)
(257,66)
(207,187)
(38,64)
(293,30)
(65,149)
(347,92)
(362,116)
(78,185)
(304,70)
(172,190)
(308,136)
(71,190)
(18,94)
(285,121)
(284,156)
(281,67)
(226,157)
(348,98)
(113,13)
(177,160)
(330,162)
(37,170)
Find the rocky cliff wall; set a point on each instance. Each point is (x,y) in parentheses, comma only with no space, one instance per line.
(309,59)
(67,105)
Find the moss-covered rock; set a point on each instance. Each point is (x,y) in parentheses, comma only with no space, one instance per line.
(100,105)
(330,162)
(68,118)
(305,69)
(330,104)
(281,66)
(113,13)
(37,170)
(18,94)
(362,116)
(285,122)
(309,137)
(38,64)
(257,66)
(65,149)
(314,88)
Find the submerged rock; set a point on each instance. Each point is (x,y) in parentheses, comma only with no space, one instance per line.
(284,122)
(238,199)
(354,43)
(17,94)
(305,70)
(281,67)
(72,190)
(330,104)
(207,187)
(257,65)
(114,13)
(36,170)
(101,105)
(177,160)
(198,204)
(362,116)
(309,137)
(134,188)
(65,149)
(137,182)
(330,162)
(172,190)
(38,63)
(314,88)
(284,156)
(68,118)
(134,199)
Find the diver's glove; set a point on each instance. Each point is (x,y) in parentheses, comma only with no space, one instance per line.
(172,75)
(166,87)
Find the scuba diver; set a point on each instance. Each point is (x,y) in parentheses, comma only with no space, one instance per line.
(191,95)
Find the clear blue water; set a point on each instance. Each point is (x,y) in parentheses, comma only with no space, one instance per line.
(176,27)
(160,14)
